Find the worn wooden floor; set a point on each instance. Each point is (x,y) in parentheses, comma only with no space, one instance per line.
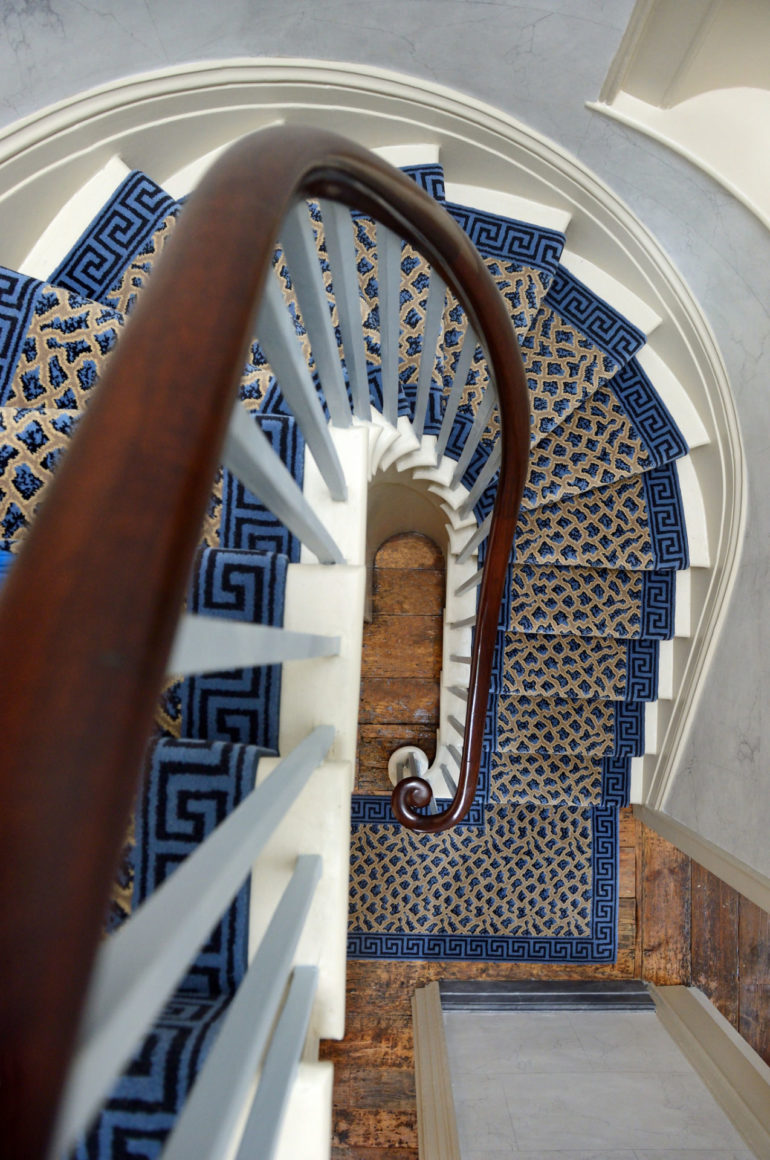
(677,923)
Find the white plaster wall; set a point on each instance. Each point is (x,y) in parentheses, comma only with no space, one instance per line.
(539,62)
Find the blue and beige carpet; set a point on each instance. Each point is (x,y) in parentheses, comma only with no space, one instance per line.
(532,872)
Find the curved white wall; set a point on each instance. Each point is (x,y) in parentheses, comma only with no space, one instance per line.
(540,64)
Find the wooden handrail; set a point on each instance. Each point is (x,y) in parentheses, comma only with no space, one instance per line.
(88,612)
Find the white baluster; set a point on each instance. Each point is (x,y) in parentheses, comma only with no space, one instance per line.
(138,968)
(307,279)
(481,533)
(470,343)
(263,1126)
(278,339)
(211,644)
(388,300)
(206,1123)
(340,247)
(483,479)
(479,426)
(248,453)
(431,332)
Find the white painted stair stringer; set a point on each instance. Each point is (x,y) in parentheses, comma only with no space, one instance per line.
(72,219)
(507,204)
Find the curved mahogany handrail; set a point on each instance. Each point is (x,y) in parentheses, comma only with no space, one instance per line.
(88,612)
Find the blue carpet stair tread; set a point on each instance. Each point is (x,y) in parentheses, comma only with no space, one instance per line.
(567,725)
(635,523)
(54,343)
(558,779)
(621,430)
(129,228)
(592,601)
(148,1097)
(576,343)
(241,704)
(576,666)
(243,521)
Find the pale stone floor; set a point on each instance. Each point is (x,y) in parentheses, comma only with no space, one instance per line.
(580,1085)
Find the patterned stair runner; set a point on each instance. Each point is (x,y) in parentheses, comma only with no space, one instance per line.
(590,593)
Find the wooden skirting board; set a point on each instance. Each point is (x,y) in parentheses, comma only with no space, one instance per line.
(436,1122)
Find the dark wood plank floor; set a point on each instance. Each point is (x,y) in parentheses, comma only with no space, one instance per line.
(677,922)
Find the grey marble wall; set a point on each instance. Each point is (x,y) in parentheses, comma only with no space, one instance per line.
(539,62)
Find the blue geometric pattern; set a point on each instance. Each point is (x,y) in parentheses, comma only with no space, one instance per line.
(148,1097)
(239,704)
(17,295)
(642,403)
(246,522)
(600,946)
(514,241)
(429,177)
(642,670)
(668,531)
(596,318)
(108,244)
(616,782)
(658,595)
(190,787)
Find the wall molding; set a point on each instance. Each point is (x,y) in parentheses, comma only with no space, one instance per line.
(163,120)
(436,1120)
(742,877)
(735,1075)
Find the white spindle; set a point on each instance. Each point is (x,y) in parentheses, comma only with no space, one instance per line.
(450,781)
(211,644)
(138,968)
(470,343)
(472,582)
(388,300)
(479,426)
(458,692)
(250,456)
(431,333)
(456,725)
(340,248)
(207,1122)
(481,533)
(466,622)
(483,479)
(307,279)
(278,338)
(263,1126)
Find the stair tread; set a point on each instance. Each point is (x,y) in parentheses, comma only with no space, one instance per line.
(565,725)
(637,522)
(55,345)
(122,228)
(592,602)
(576,666)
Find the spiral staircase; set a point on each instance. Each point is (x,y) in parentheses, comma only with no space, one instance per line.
(597,592)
